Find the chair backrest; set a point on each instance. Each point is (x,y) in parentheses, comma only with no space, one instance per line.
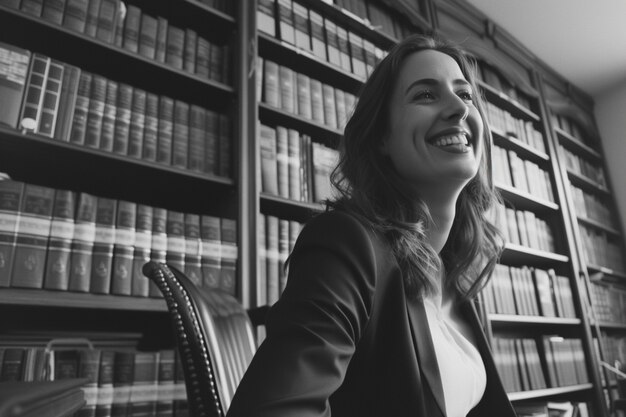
(214,337)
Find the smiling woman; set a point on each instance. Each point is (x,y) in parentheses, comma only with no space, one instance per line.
(376,318)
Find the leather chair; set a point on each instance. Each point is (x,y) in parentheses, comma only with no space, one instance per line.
(214,337)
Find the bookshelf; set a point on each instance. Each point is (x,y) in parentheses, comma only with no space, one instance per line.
(561,196)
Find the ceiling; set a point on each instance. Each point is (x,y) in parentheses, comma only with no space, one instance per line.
(583,40)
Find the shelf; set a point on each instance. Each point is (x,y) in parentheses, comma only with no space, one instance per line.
(39,159)
(571,143)
(606,325)
(549,392)
(523,150)
(305,62)
(507,103)
(597,272)
(516,255)
(515,320)
(596,224)
(93,55)
(44,298)
(286,208)
(585,183)
(318,132)
(524,201)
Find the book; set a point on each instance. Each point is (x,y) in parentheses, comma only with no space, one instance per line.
(89,369)
(225,146)
(91,22)
(67,102)
(53,11)
(217,60)
(333,47)
(317,101)
(46,123)
(148,36)
(33,229)
(197,141)
(75,16)
(11,193)
(32,7)
(95,112)
(41,398)
(143,391)
(266,20)
(318,41)
(175,46)
(283,252)
(287,85)
(105,383)
(357,55)
(121,277)
(132,24)
(271,87)
(57,272)
(165,389)
(137,123)
(344,45)
(165,130)
(282,158)
(203,56)
(161,39)
(109,110)
(158,245)
(301,27)
(142,250)
(229,256)
(544,294)
(151,126)
(211,250)
(123,372)
(272,259)
(81,109)
(82,243)
(104,240)
(293,164)
(13,362)
(324,161)
(303,94)
(268,155)
(30,112)
(180,136)
(193,265)
(212,142)
(330,109)
(286,30)
(107,20)
(14,68)
(261,281)
(189,50)
(175,228)
(122,119)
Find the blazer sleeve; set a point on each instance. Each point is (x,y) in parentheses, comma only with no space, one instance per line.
(312,331)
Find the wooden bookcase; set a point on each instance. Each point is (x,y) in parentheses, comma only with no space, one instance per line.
(513,82)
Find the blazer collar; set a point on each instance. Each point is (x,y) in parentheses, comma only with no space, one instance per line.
(427,358)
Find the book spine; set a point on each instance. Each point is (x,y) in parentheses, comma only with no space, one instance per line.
(91,22)
(148,36)
(293,154)
(285,21)
(108,116)
(51,98)
(95,113)
(33,98)
(32,7)
(287,84)
(225,146)
(107,20)
(122,119)
(282,158)
(123,371)
(14,73)
(271,88)
(132,24)
(203,57)
(189,50)
(217,58)
(67,102)
(303,89)
(105,384)
(151,126)
(344,61)
(165,390)
(102,260)
(317,101)
(33,229)
(197,141)
(211,250)
(269,173)
(141,255)
(76,15)
(11,193)
(161,39)
(229,252)
(272,259)
(165,130)
(57,273)
(266,20)
(158,244)
(176,240)
(180,137)
(175,46)
(144,384)
(330,110)
(193,263)
(212,133)
(301,26)
(89,368)
(82,243)
(81,109)
(123,249)
(53,11)
(137,123)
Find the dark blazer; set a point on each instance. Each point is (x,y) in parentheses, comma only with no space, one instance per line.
(343,340)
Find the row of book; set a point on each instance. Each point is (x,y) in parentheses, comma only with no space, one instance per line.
(608,302)
(293,166)
(572,128)
(530,292)
(600,249)
(62,240)
(120,382)
(499,82)
(277,237)
(526,364)
(296,93)
(511,170)
(552,409)
(63,102)
(373,12)
(591,206)
(523,227)
(127,27)
(308,30)
(504,123)
(581,166)
(614,354)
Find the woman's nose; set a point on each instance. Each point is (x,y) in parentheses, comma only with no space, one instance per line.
(455,108)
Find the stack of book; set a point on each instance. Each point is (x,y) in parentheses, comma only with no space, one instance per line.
(41,399)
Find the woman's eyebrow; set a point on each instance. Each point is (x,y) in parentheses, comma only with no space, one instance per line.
(434,82)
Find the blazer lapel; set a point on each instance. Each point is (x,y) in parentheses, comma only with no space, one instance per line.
(427,357)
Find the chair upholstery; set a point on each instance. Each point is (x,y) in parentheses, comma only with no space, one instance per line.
(214,337)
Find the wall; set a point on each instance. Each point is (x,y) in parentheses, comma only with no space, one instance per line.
(610,112)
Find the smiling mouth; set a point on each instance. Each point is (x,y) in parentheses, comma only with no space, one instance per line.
(458,140)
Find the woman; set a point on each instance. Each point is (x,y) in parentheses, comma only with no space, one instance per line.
(375,319)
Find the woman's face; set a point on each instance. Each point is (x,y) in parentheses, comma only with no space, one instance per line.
(435,136)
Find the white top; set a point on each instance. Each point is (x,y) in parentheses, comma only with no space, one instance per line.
(461,367)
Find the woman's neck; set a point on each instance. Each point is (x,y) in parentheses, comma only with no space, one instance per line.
(442,210)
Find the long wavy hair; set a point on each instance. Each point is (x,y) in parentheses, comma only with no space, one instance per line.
(369,187)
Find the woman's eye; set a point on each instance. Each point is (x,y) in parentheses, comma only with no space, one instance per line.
(424,95)
(466,95)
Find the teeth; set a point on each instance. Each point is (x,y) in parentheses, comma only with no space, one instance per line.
(458,139)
